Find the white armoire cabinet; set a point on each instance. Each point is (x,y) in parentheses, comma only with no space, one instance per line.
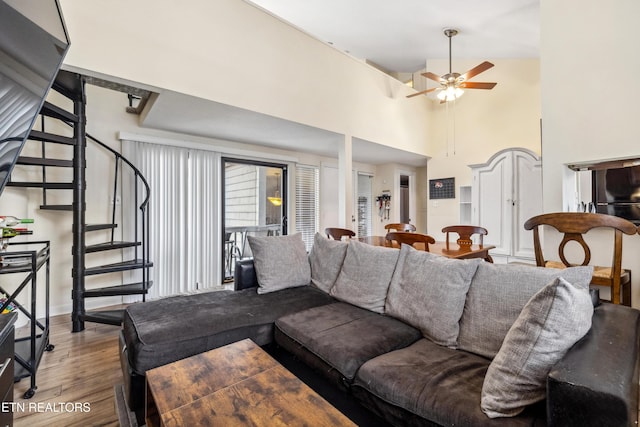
(505,192)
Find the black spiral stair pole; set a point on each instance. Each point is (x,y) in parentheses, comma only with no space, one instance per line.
(79,207)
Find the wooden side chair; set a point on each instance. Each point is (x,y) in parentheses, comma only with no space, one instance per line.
(400,227)
(574,225)
(337,233)
(409,239)
(464,236)
(464,233)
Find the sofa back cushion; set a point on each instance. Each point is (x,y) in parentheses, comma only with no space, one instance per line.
(365,275)
(428,292)
(280,261)
(326,258)
(497,294)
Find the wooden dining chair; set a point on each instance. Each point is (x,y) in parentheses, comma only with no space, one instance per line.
(574,225)
(464,236)
(464,233)
(402,227)
(412,239)
(337,233)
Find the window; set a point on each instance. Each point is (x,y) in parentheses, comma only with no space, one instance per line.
(307,203)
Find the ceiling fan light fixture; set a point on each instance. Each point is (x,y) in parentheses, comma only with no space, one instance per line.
(450,93)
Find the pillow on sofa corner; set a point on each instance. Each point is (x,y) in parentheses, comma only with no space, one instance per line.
(553,320)
(365,275)
(326,258)
(280,261)
(428,292)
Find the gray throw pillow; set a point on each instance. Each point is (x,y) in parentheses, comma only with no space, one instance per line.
(497,294)
(550,324)
(280,261)
(365,275)
(326,258)
(428,292)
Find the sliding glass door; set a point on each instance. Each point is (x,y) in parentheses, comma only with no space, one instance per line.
(254,197)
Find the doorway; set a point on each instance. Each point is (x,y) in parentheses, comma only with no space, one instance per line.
(405,200)
(254,203)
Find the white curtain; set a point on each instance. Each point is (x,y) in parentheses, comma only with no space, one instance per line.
(183,216)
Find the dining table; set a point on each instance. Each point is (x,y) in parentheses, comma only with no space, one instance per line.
(447,249)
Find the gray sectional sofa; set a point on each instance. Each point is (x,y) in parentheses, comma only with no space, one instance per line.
(416,338)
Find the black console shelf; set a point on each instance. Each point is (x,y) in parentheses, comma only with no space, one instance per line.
(28,258)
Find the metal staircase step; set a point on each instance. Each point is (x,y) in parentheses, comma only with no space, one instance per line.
(39,161)
(56,207)
(51,137)
(119,266)
(139,288)
(107,246)
(97,227)
(108,317)
(50,110)
(46,185)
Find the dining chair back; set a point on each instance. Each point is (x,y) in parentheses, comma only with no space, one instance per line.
(337,233)
(464,233)
(574,225)
(412,239)
(400,226)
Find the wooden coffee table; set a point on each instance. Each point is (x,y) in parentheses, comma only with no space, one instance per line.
(235,385)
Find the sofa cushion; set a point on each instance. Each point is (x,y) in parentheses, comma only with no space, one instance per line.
(437,383)
(165,330)
(365,275)
(280,261)
(345,336)
(428,292)
(326,258)
(551,322)
(497,294)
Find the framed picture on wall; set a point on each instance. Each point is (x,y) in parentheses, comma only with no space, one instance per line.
(442,188)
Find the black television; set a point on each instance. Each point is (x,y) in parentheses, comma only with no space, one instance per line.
(33,44)
(616,191)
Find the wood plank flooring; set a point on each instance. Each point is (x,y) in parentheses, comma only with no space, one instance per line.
(82,369)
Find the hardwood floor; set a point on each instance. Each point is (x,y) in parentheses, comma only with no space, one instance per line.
(82,371)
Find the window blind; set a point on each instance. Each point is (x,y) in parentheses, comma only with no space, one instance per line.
(307,202)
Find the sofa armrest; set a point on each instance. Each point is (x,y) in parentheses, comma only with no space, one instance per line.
(596,383)
(244,275)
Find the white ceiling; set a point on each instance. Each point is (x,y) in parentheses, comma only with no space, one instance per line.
(396,35)
(401,35)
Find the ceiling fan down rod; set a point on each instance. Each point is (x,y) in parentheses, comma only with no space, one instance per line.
(450,32)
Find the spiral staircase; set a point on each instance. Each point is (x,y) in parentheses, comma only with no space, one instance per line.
(135,251)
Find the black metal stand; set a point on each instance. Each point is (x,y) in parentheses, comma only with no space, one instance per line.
(29,349)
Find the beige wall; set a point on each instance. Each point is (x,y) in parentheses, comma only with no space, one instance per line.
(589,100)
(234,53)
(479,124)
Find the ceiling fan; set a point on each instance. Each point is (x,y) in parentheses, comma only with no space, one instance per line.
(451,84)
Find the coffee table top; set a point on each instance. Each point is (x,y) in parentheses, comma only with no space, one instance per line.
(236,385)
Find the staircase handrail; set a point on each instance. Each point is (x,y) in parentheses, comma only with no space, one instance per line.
(131,165)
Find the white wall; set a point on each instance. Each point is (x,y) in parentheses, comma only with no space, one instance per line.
(589,101)
(479,124)
(234,53)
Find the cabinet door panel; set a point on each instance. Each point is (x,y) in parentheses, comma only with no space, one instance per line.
(493,203)
(528,202)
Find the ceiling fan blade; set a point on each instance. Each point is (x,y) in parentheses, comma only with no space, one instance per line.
(477,85)
(476,70)
(422,92)
(433,76)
